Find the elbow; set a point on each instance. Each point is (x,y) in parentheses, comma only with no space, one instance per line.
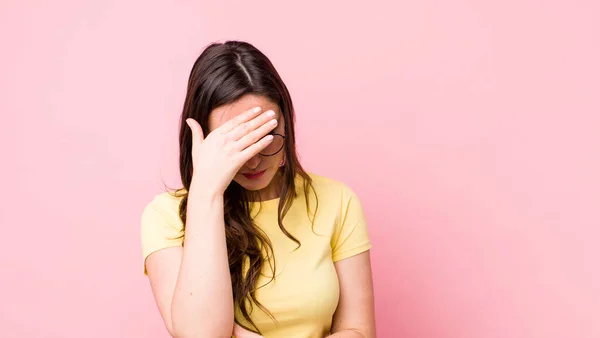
(172,332)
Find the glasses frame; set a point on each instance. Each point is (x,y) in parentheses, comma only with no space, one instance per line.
(282,145)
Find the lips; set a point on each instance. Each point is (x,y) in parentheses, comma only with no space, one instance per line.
(255,175)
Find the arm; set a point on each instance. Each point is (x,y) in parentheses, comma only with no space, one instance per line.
(192,285)
(355,314)
(195,302)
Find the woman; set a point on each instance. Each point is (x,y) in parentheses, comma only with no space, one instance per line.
(253,245)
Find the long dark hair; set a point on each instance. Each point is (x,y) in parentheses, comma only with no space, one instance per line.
(223,73)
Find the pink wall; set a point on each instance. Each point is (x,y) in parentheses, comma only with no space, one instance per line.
(470,129)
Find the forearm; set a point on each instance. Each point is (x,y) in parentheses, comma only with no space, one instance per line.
(347,334)
(202,301)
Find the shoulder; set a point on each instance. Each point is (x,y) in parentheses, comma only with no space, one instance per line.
(327,187)
(165,201)
(161,226)
(164,208)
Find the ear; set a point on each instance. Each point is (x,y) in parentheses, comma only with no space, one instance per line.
(282,163)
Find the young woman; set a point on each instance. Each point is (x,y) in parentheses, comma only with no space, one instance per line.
(253,245)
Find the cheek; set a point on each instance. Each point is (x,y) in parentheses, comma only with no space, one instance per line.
(274,161)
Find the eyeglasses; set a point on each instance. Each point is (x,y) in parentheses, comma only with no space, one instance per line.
(275,146)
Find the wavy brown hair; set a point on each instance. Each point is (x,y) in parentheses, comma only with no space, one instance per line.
(223,73)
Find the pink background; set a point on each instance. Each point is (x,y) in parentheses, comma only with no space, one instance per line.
(470,129)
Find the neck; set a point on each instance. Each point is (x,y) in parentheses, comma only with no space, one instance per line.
(271,191)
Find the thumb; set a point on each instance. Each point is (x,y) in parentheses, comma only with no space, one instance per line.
(197,135)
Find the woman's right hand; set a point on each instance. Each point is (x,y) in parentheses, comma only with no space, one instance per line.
(218,157)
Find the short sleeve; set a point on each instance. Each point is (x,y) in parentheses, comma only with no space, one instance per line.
(350,236)
(161,226)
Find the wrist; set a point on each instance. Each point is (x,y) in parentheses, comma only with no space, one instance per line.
(204,190)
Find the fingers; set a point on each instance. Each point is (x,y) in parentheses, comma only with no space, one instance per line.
(197,135)
(256,148)
(256,134)
(246,128)
(236,121)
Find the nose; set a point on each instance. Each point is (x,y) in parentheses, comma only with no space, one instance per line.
(253,162)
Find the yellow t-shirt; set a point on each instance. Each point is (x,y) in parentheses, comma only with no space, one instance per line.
(305,292)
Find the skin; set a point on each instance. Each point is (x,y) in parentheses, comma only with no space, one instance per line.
(354,316)
(182,290)
(173,274)
(268,185)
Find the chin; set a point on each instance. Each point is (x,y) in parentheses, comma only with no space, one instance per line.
(255,184)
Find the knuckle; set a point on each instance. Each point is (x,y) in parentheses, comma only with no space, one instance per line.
(228,149)
(221,139)
(246,127)
(223,143)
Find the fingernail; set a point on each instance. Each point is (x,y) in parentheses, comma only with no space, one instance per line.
(270,113)
(256,109)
